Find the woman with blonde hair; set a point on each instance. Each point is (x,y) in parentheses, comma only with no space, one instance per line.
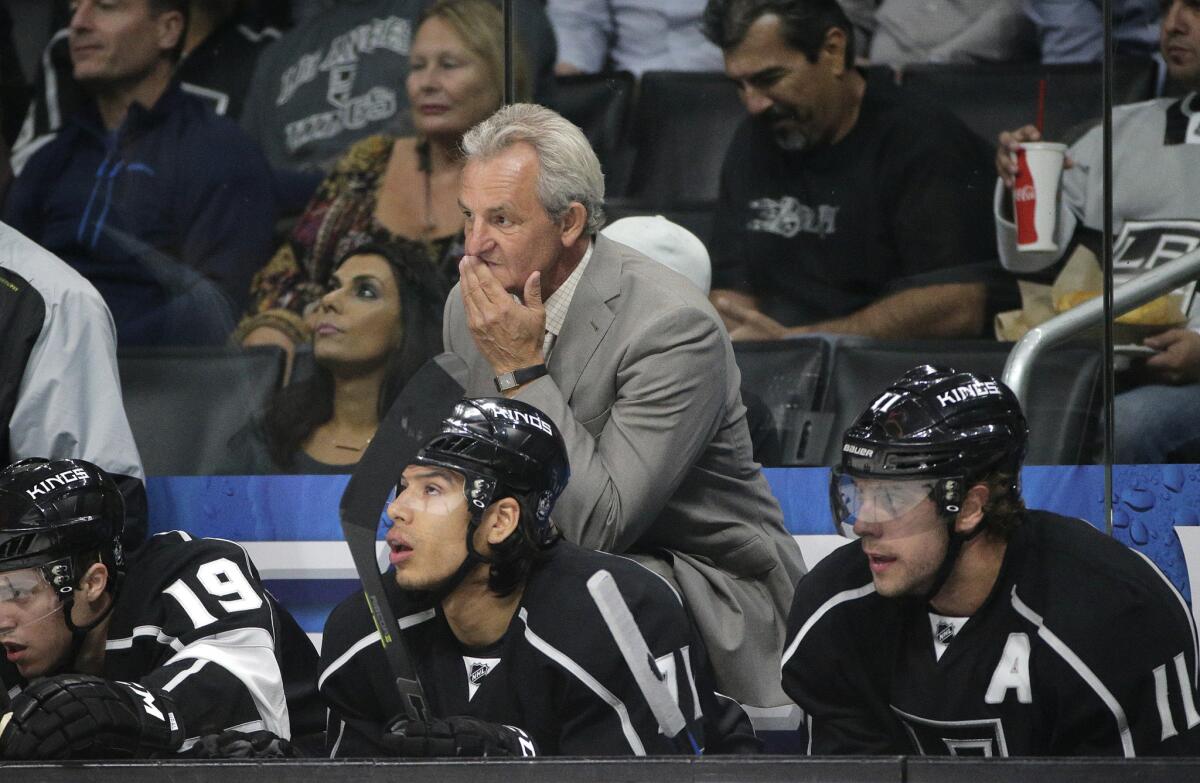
(404,187)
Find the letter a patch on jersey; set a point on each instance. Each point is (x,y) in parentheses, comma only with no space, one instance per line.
(1012,673)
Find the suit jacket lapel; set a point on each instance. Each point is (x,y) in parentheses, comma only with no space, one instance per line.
(588,318)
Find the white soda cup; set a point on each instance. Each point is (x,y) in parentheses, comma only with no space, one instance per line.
(1035,194)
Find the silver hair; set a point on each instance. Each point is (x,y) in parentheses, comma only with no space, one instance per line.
(568,168)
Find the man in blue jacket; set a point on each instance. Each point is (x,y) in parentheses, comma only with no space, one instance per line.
(166,208)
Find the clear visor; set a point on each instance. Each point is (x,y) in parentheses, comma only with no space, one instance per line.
(430,491)
(25,598)
(906,505)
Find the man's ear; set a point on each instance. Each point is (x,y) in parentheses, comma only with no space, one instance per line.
(94,582)
(971,514)
(574,223)
(833,50)
(169,29)
(501,520)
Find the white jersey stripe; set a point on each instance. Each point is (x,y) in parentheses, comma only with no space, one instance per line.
(341,733)
(1085,673)
(183,675)
(407,621)
(1186,613)
(144,630)
(815,617)
(249,655)
(340,661)
(635,742)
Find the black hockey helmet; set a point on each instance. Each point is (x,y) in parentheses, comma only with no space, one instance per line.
(938,423)
(504,447)
(52,510)
(935,421)
(933,432)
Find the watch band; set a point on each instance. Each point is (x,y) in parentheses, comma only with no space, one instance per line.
(511,380)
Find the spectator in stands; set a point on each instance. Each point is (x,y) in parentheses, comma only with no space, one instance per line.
(220,49)
(60,394)
(376,324)
(162,205)
(845,205)
(1072,31)
(400,186)
(1156,171)
(630,35)
(634,368)
(334,79)
(950,31)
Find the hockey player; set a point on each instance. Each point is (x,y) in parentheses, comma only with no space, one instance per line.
(109,659)
(514,656)
(963,623)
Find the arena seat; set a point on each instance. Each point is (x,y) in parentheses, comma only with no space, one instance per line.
(600,105)
(184,403)
(1062,409)
(682,125)
(789,377)
(993,98)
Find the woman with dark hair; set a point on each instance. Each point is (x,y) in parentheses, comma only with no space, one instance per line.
(377,322)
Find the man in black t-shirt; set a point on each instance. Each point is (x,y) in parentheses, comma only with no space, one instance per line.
(845,205)
(962,623)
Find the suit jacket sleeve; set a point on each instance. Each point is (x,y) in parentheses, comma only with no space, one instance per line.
(669,400)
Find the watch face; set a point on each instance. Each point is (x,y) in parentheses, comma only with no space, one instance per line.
(511,380)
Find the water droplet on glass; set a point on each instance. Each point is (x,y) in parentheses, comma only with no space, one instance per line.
(1138,532)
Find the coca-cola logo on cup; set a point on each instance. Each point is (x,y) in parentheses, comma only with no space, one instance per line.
(1025,202)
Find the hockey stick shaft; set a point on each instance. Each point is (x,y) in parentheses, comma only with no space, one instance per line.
(414,416)
(638,658)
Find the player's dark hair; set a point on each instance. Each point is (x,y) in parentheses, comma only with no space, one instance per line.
(298,409)
(803,23)
(513,558)
(1005,508)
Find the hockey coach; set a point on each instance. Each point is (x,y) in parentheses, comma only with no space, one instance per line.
(962,623)
(499,622)
(178,648)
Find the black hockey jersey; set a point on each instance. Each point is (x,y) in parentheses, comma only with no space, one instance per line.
(192,619)
(556,673)
(1082,648)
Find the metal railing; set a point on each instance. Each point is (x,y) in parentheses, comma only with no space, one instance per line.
(1127,296)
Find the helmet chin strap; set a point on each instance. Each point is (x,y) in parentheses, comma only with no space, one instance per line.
(473,559)
(79,634)
(950,559)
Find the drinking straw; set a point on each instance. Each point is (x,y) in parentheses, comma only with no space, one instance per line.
(1041,104)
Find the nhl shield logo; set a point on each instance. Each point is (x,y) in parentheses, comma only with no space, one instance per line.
(478,671)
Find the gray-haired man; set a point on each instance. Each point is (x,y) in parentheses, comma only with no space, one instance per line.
(635,368)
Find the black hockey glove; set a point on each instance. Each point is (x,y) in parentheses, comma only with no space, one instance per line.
(241,745)
(457,736)
(84,717)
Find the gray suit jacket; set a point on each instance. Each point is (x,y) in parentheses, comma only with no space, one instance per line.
(644,387)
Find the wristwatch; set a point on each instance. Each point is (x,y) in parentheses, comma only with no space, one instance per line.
(511,380)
